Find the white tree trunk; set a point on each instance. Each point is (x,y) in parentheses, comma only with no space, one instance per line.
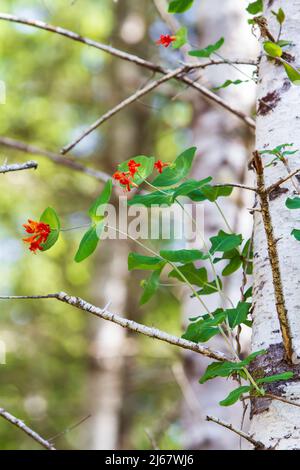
(107,352)
(273,422)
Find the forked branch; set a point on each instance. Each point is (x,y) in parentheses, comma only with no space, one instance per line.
(257,444)
(133,59)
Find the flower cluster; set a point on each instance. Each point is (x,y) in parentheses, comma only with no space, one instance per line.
(125,178)
(159,165)
(39,233)
(165,40)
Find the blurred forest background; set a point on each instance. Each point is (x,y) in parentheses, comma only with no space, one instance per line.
(62,365)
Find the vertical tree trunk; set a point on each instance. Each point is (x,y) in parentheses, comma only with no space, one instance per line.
(222,154)
(273,422)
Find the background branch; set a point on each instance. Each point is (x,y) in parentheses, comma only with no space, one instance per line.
(130,58)
(131,99)
(126,323)
(56,158)
(19,166)
(21,425)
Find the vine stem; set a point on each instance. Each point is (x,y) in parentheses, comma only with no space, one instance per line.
(219,289)
(226,338)
(231,347)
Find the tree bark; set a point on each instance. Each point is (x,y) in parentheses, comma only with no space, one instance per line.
(275,423)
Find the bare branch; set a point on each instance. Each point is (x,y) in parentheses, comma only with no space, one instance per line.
(19,166)
(56,158)
(282,180)
(213,97)
(131,99)
(130,58)
(237,185)
(203,65)
(257,444)
(21,425)
(271,397)
(126,323)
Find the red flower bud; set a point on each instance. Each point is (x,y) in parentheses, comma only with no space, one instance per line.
(165,40)
(159,165)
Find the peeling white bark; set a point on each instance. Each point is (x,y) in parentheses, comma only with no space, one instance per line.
(280,425)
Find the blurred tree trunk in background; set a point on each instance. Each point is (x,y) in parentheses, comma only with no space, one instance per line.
(222,152)
(127,137)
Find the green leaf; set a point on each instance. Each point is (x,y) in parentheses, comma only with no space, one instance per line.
(179,6)
(147,200)
(188,186)
(150,286)
(235,395)
(228,83)
(103,199)
(280,16)
(225,369)
(178,171)
(279,150)
(196,276)
(293,203)
(183,256)
(146,168)
(211,193)
(210,288)
(137,261)
(207,51)
(50,217)
(275,378)
(234,265)
(248,293)
(238,315)
(89,242)
(284,43)
(292,73)
(272,49)
(255,7)
(51,240)
(204,329)
(296,234)
(181,38)
(224,242)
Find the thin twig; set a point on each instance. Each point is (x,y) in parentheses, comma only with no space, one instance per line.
(123,104)
(282,180)
(257,444)
(272,397)
(125,323)
(19,166)
(21,425)
(237,185)
(56,158)
(130,58)
(70,428)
